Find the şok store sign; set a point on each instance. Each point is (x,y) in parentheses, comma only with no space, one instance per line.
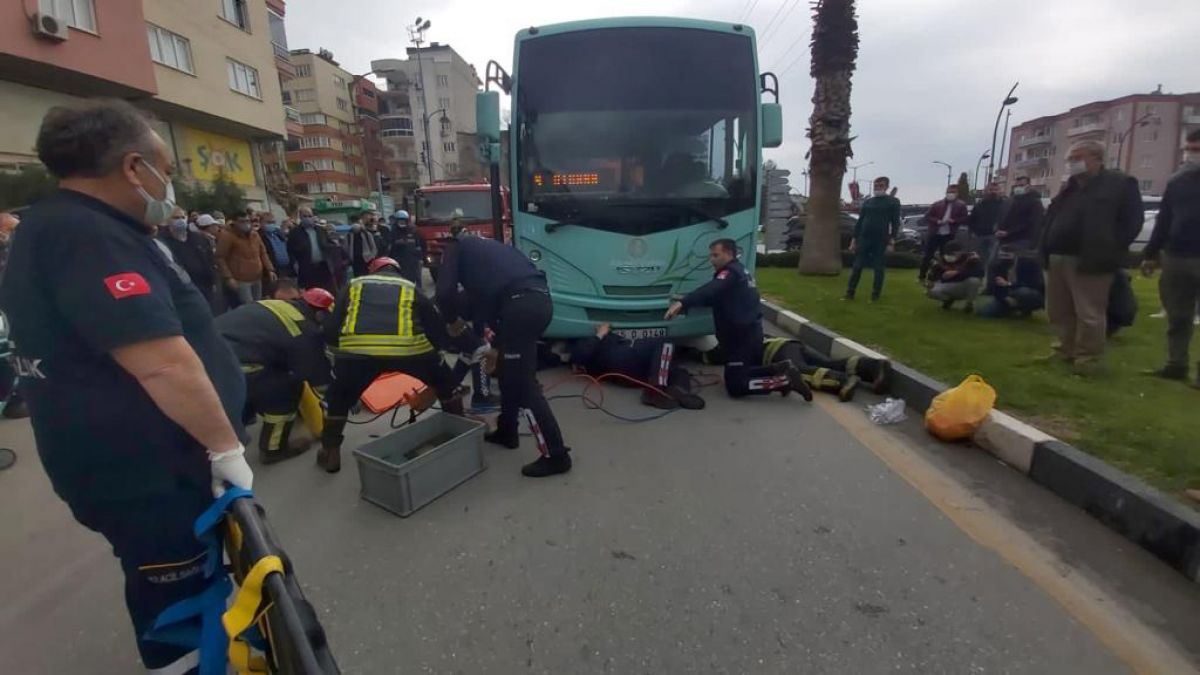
(211,154)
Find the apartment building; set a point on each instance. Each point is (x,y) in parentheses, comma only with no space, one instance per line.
(197,65)
(365,97)
(1143,135)
(326,161)
(438,78)
(400,156)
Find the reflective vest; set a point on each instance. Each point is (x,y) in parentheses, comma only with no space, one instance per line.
(381,318)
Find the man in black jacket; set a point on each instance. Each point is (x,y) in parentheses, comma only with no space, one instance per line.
(649,361)
(983,219)
(191,251)
(1175,244)
(1089,227)
(309,246)
(957,275)
(1018,227)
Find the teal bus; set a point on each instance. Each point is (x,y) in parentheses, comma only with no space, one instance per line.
(634,143)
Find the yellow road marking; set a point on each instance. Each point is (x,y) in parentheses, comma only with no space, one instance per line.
(1130,640)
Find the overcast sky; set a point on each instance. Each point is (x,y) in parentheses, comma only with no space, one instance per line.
(931,73)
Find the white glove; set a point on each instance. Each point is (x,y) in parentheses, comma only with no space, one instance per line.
(230,467)
(478,355)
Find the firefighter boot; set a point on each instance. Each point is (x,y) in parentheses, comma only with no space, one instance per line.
(832,381)
(329,457)
(275,443)
(796,381)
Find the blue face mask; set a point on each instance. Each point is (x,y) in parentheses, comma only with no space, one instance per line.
(271,226)
(178,225)
(308,222)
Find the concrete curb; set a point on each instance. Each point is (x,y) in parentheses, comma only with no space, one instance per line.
(1126,504)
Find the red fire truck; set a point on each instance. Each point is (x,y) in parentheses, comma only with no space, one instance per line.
(436,205)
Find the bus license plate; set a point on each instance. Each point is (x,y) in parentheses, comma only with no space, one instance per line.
(641,333)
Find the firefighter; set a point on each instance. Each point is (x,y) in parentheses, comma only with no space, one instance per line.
(648,361)
(281,345)
(509,294)
(405,247)
(382,323)
(838,376)
(734,300)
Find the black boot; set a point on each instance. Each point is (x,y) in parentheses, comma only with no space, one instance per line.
(655,399)
(275,443)
(548,465)
(797,381)
(512,441)
(686,399)
(329,457)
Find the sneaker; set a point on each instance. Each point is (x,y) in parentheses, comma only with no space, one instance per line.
(330,459)
(969,308)
(798,384)
(846,393)
(481,404)
(947,304)
(686,399)
(874,298)
(1168,373)
(510,441)
(848,297)
(547,466)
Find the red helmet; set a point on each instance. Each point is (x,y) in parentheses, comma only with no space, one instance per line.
(318,298)
(380,263)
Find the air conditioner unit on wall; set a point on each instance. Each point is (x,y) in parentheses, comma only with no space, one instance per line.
(49,27)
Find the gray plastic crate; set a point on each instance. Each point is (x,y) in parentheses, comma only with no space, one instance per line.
(418,463)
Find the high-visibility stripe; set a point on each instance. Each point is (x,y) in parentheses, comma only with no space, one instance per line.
(352,304)
(278,419)
(252,368)
(287,314)
(852,364)
(773,345)
(384,279)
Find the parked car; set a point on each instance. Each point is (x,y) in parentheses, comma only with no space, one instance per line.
(1143,237)
(795,231)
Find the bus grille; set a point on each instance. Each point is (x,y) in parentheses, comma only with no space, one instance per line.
(662,289)
(624,316)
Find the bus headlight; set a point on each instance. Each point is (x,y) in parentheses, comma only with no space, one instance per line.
(535,255)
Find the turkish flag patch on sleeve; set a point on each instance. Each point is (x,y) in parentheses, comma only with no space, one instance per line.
(127,285)
(723,274)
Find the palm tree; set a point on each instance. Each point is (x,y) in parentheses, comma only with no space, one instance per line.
(834,52)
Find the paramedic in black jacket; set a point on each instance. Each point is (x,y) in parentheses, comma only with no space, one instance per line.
(649,361)
(734,301)
(509,294)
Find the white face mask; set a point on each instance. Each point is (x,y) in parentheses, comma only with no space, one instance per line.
(951,197)
(1020,190)
(1191,159)
(157,210)
(880,193)
(1077,167)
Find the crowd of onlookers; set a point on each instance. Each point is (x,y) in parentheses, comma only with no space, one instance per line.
(242,257)
(1068,258)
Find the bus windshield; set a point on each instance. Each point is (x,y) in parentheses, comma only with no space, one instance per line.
(440,206)
(636,130)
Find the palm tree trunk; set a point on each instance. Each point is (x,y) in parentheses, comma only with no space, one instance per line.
(834,51)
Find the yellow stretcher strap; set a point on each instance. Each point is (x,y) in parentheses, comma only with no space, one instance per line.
(244,611)
(243,660)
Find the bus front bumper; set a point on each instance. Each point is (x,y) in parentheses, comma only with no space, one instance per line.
(574,320)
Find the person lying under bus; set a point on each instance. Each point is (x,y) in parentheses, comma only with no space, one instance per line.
(649,361)
(822,373)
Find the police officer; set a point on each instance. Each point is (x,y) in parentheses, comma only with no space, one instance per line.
(281,345)
(382,323)
(406,247)
(136,400)
(644,362)
(738,319)
(509,294)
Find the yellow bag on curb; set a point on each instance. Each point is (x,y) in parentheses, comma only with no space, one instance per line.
(956,413)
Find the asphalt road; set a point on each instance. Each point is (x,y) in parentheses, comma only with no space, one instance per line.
(761,536)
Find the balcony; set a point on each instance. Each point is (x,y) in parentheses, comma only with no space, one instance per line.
(1035,140)
(1031,162)
(1191,116)
(283,62)
(1090,128)
(291,121)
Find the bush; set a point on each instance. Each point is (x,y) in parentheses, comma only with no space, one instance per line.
(904,261)
(221,195)
(25,186)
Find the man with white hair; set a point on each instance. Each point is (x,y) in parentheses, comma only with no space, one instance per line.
(1088,229)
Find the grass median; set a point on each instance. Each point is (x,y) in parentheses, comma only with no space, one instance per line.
(1144,425)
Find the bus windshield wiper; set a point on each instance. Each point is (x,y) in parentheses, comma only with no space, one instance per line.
(573,220)
(697,211)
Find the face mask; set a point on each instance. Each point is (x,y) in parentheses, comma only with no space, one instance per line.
(308,222)
(1018,191)
(1191,159)
(1076,168)
(244,228)
(880,193)
(951,197)
(951,259)
(157,210)
(271,226)
(178,225)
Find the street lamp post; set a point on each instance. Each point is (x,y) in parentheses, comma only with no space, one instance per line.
(855,169)
(1004,141)
(1008,100)
(417,33)
(949,171)
(978,166)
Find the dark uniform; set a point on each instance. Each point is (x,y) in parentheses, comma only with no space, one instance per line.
(509,294)
(651,361)
(381,324)
(281,346)
(85,279)
(738,320)
(405,247)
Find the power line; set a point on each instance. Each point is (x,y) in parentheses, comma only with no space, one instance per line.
(748,12)
(745,8)
(769,35)
(790,47)
(771,23)
(792,65)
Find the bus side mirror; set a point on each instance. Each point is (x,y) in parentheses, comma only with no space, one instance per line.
(772,125)
(487,116)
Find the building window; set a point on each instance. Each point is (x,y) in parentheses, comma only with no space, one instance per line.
(444,104)
(318,165)
(309,142)
(327,186)
(313,118)
(443,80)
(243,79)
(452,168)
(304,95)
(448,146)
(278,34)
(1151,109)
(339,82)
(396,126)
(303,70)
(343,104)
(79,14)
(345,127)
(1120,114)
(1147,161)
(170,49)
(234,11)
(286,96)
(1147,185)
